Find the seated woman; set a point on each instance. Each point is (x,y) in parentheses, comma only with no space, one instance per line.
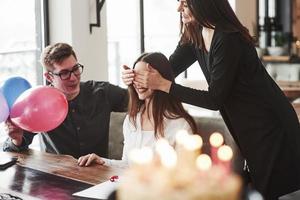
(152,114)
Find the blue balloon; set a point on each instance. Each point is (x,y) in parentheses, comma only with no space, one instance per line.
(4,110)
(13,88)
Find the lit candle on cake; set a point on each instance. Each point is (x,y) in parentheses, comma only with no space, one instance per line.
(203,162)
(141,160)
(141,156)
(188,141)
(215,140)
(188,148)
(181,137)
(193,143)
(167,154)
(225,155)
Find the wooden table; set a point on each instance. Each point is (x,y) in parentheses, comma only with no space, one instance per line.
(291,93)
(297,109)
(291,89)
(50,176)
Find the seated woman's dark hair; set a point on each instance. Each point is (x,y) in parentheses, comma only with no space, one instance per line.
(163,104)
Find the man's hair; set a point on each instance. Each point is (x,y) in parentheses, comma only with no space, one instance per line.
(56,53)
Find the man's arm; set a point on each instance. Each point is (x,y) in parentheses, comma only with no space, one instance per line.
(118,98)
(18,139)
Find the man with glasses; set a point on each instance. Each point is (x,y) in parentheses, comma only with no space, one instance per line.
(86,127)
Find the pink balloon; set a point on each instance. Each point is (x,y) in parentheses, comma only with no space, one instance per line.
(39,109)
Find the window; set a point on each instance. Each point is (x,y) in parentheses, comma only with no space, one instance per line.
(21,42)
(123,33)
(161,22)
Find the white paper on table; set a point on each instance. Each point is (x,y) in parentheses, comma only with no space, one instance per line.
(100,191)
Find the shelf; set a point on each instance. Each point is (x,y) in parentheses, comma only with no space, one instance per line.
(276,58)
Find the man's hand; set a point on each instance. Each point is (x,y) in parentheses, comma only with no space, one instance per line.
(87,160)
(14,132)
(127,75)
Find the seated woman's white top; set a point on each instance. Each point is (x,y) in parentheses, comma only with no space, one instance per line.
(136,138)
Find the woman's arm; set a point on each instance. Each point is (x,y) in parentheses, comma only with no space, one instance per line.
(226,55)
(87,160)
(126,147)
(124,162)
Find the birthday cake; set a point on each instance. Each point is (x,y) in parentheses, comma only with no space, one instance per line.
(179,174)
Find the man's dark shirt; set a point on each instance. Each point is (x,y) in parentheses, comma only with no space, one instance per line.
(86,127)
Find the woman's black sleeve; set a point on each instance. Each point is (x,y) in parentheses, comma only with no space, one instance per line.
(226,52)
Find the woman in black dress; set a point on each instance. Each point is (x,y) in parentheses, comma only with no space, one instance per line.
(255,110)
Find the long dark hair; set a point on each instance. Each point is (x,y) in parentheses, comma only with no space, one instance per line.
(163,104)
(211,14)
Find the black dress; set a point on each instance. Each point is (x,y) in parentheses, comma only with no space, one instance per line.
(255,110)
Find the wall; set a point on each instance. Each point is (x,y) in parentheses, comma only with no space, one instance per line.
(69,22)
(246,12)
